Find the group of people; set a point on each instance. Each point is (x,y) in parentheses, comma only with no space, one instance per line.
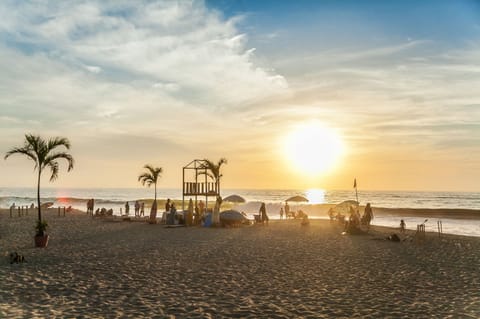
(139,208)
(355,221)
(285,211)
(193,215)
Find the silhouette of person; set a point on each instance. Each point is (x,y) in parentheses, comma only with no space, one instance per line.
(137,208)
(368,215)
(402,226)
(281,213)
(168,205)
(263,214)
(287,210)
(142,209)
(127,208)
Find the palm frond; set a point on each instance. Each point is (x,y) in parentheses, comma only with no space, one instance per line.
(58,141)
(151,176)
(54,169)
(60,155)
(22,150)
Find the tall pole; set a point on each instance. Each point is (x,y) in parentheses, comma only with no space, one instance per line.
(355,186)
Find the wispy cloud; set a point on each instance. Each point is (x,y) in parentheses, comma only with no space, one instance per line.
(155,56)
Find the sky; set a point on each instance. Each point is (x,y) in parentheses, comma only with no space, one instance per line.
(165,82)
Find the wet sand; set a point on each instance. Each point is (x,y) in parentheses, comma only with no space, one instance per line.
(109,268)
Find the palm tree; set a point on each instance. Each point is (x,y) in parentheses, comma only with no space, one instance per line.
(43,153)
(213,170)
(151,177)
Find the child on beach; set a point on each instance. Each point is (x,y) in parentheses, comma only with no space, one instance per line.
(281,213)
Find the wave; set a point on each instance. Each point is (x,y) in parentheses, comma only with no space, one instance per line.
(115,197)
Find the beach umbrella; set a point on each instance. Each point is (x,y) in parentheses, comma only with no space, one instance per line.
(234,199)
(297,199)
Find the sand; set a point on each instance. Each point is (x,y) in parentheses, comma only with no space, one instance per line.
(109,268)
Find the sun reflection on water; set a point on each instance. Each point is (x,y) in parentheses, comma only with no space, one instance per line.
(315,196)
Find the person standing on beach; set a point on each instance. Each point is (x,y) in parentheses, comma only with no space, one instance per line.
(127,208)
(402,226)
(287,210)
(90,206)
(172,215)
(142,209)
(367,215)
(196,220)
(263,214)
(167,205)
(281,212)
(137,208)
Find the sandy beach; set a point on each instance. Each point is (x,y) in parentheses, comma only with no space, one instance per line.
(109,268)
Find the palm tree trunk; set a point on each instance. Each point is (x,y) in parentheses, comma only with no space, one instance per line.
(38,196)
(38,200)
(153,211)
(155,200)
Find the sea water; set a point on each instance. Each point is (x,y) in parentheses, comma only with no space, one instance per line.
(115,198)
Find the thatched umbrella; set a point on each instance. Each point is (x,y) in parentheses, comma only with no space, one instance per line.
(297,199)
(234,199)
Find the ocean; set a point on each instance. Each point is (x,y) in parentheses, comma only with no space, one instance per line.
(115,198)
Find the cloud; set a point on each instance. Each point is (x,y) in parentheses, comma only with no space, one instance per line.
(103,67)
(169,42)
(93,69)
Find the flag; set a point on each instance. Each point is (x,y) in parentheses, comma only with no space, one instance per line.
(355,183)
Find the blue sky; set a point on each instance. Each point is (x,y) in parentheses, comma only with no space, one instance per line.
(165,82)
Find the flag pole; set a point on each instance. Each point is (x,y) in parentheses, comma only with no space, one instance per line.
(355,186)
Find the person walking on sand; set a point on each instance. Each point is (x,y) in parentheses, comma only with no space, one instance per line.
(263,214)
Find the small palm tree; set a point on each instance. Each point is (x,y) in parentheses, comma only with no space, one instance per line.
(213,170)
(151,177)
(43,153)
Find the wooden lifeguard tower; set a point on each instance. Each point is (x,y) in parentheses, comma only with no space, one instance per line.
(196,182)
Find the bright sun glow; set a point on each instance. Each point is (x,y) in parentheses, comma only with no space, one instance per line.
(315,196)
(313,148)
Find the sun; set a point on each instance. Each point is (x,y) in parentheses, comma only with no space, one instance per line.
(313,148)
